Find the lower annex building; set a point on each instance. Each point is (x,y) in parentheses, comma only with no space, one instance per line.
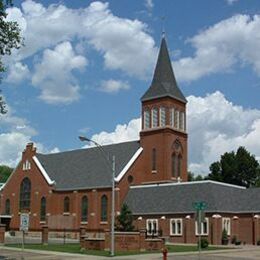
(70,189)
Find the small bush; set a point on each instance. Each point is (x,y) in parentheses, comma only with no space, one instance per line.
(234,240)
(203,243)
(238,242)
(258,242)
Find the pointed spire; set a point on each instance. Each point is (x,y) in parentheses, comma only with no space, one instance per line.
(164,83)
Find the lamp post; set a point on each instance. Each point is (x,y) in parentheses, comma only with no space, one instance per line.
(112,168)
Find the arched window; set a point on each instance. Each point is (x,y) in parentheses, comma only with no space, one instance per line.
(7,207)
(66,204)
(162,116)
(179,165)
(25,194)
(174,165)
(43,209)
(154,117)
(154,159)
(84,208)
(147,119)
(104,208)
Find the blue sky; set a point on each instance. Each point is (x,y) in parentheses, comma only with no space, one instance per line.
(86,64)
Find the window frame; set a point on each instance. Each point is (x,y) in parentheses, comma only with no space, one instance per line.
(228,229)
(154,160)
(176,220)
(203,233)
(152,221)
(172,117)
(104,208)
(43,209)
(25,195)
(66,204)
(147,119)
(7,206)
(161,113)
(84,211)
(155,117)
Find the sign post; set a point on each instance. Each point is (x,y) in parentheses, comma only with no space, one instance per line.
(200,206)
(24,226)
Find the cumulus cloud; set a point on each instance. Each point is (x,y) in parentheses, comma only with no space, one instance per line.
(54,74)
(122,133)
(215,126)
(231,42)
(113,86)
(15,133)
(17,73)
(124,43)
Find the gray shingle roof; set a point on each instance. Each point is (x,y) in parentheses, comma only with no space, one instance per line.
(179,198)
(86,168)
(164,83)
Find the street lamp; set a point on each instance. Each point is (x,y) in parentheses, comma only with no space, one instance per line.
(112,168)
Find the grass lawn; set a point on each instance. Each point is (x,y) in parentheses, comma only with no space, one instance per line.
(75,248)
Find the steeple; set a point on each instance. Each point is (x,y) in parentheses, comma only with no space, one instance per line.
(164,83)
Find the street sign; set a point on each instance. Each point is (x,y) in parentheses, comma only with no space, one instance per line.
(200,205)
(24,222)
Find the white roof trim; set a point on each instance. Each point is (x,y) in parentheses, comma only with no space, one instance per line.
(42,170)
(2,186)
(186,183)
(128,165)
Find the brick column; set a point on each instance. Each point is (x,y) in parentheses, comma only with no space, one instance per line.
(2,234)
(216,230)
(188,230)
(162,225)
(107,240)
(45,233)
(82,235)
(142,240)
(256,233)
(235,227)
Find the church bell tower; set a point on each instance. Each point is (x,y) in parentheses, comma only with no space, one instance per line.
(163,135)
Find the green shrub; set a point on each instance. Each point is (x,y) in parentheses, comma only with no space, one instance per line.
(234,240)
(203,243)
(258,242)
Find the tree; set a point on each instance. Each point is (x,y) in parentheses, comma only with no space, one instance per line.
(192,177)
(5,172)
(125,219)
(240,168)
(10,38)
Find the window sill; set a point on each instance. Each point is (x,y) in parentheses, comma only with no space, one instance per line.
(176,235)
(66,213)
(84,222)
(103,222)
(154,171)
(202,235)
(43,222)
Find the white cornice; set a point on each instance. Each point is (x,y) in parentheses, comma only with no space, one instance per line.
(42,170)
(128,165)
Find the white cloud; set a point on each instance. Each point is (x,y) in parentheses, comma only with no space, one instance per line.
(124,44)
(15,133)
(113,86)
(54,74)
(17,73)
(149,4)
(219,48)
(231,2)
(122,133)
(215,126)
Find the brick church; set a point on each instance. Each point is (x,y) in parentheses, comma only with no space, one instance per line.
(70,189)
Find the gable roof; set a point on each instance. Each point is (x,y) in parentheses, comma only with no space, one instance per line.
(164,83)
(179,198)
(87,168)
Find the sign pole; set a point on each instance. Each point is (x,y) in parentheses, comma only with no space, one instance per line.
(22,245)
(199,224)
